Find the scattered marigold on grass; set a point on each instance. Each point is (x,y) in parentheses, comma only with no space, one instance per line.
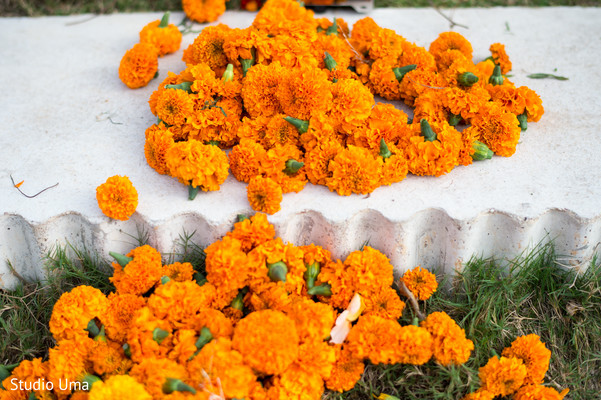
(421,282)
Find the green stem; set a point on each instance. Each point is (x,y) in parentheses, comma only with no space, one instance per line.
(329,62)
(427,132)
(384,150)
(301,126)
(482,152)
(293,166)
(182,86)
(333,30)
(496,78)
(165,20)
(89,380)
(176,385)
(311,273)
(523,119)
(120,258)
(400,72)
(321,290)
(192,192)
(228,75)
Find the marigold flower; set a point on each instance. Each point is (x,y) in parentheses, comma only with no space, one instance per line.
(268,341)
(351,104)
(451,41)
(373,337)
(245,159)
(297,382)
(107,357)
(196,164)
(67,362)
(286,18)
(153,373)
(318,159)
(337,47)
(502,376)
(317,356)
(279,132)
(179,272)
(161,34)
(227,265)
(534,354)
(450,346)
(479,394)
(27,372)
(215,321)
(119,387)
(386,43)
(253,231)
(142,336)
(415,345)
(207,47)
(304,92)
(433,157)
(313,320)
(418,56)
(498,129)
(174,106)
(140,274)
(363,32)
(421,282)
(382,79)
(500,57)
(203,10)
(347,371)
(118,316)
(417,82)
(264,195)
(158,140)
(268,296)
(384,303)
(139,65)
(395,166)
(73,311)
(534,104)
(354,170)
(259,90)
(117,197)
(539,392)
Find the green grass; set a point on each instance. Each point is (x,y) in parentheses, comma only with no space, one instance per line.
(62,7)
(493,304)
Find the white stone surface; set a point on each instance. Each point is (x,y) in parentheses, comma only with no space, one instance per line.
(67,118)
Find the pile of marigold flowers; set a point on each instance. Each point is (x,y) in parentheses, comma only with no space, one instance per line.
(264,320)
(292,96)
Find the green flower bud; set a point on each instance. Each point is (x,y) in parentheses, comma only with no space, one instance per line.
(192,192)
(277,271)
(330,62)
(321,290)
(400,72)
(238,302)
(301,126)
(247,63)
(165,20)
(384,151)
(467,79)
(482,152)
(158,335)
(293,166)
(177,385)
(204,338)
(120,258)
(311,274)
(427,132)
(496,78)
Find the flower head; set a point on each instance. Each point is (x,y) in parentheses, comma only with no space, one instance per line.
(139,65)
(166,39)
(534,354)
(196,164)
(421,282)
(158,140)
(117,197)
(203,10)
(140,274)
(264,195)
(347,371)
(119,387)
(502,376)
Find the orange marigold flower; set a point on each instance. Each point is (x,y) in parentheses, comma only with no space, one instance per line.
(451,41)
(433,157)
(314,321)
(395,167)
(317,161)
(383,80)
(171,79)
(317,356)
(374,337)
(207,48)
(174,106)
(448,57)
(386,43)
(118,316)
(215,321)
(429,105)
(253,231)
(320,131)
(421,282)
(218,367)
(354,170)
(279,132)
(384,303)
(534,354)
(74,309)
(179,272)
(466,103)
(469,136)
(304,92)
(364,31)
(117,198)
(264,195)
(227,265)
(141,336)
(119,387)
(539,392)
(418,56)
(203,10)
(534,104)
(297,382)
(336,47)
(158,140)
(385,122)
(245,159)
(351,104)
(509,97)
(479,394)
(500,57)
(140,274)
(415,345)
(286,18)
(139,65)
(27,372)
(241,44)
(196,164)
(268,341)
(450,345)
(502,376)
(67,361)
(416,82)
(259,90)
(347,371)
(166,39)
(107,357)
(289,51)
(153,372)
(498,129)
(268,295)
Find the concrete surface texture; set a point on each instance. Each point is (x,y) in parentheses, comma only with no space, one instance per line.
(67,118)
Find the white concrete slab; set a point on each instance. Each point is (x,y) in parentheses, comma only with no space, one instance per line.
(67,118)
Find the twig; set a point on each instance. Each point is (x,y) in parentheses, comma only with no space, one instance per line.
(412,300)
(91,17)
(453,23)
(32,196)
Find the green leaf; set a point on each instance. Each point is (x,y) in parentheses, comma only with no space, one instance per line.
(543,76)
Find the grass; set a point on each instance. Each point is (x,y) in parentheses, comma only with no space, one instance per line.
(493,304)
(67,7)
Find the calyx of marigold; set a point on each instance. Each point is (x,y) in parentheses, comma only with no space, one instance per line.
(204,338)
(120,258)
(127,350)
(6,371)
(454,119)
(482,152)
(192,192)
(177,385)
(158,335)
(165,279)
(427,132)
(384,150)
(228,75)
(333,30)
(329,62)
(277,271)
(467,79)
(247,63)
(165,20)
(92,328)
(301,126)
(400,72)
(523,119)
(311,274)
(200,279)
(182,86)
(496,78)
(322,290)
(101,336)
(238,302)
(241,217)
(293,166)
(89,380)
